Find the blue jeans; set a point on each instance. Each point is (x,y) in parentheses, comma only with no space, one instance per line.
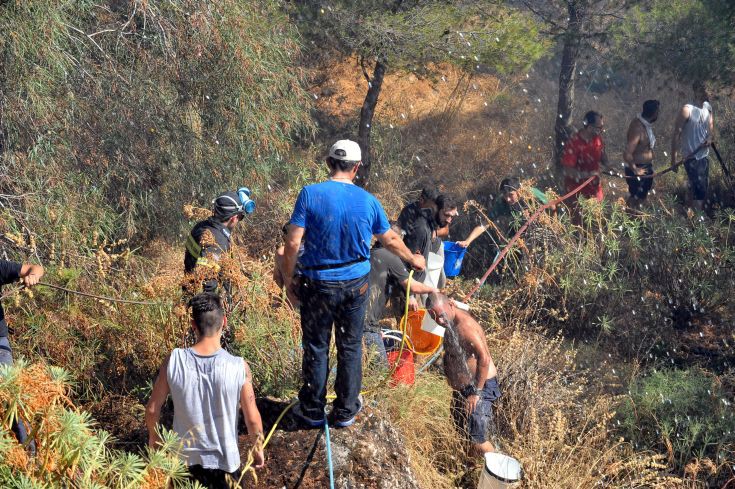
(6,358)
(324,303)
(374,340)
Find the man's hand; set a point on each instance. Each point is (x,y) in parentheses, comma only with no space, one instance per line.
(471,403)
(418,262)
(638,170)
(413,304)
(258,459)
(463,244)
(291,293)
(31,274)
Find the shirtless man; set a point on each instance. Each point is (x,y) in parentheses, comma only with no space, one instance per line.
(469,369)
(638,153)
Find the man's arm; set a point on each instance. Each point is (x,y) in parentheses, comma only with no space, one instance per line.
(393,243)
(153,408)
(290,256)
(681,119)
(419,288)
(31,274)
(474,234)
(477,339)
(252,418)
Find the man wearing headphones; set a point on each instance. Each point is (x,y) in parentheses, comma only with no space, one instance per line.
(210,238)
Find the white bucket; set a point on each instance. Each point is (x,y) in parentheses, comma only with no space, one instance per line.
(500,472)
(431,326)
(434,267)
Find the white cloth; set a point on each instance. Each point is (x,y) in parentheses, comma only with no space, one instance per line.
(696,131)
(206,394)
(649,131)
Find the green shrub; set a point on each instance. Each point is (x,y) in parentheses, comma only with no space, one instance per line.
(685,413)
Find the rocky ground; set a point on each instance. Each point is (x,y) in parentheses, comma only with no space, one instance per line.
(368,454)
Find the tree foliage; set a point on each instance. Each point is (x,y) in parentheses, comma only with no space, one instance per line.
(144,105)
(691,39)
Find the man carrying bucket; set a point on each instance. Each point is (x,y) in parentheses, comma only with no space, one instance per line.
(387,274)
(470,371)
(423,238)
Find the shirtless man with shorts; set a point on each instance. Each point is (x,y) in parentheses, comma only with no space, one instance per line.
(638,153)
(470,371)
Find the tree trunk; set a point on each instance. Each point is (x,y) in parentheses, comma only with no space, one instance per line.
(366,121)
(567,76)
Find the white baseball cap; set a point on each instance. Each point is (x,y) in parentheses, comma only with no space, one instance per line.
(345,150)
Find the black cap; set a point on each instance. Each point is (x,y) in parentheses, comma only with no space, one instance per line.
(227,205)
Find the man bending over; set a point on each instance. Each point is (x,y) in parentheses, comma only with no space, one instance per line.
(469,369)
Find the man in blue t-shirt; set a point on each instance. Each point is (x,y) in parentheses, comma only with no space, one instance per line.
(337,221)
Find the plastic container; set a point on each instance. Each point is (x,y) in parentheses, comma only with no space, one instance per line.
(423,342)
(500,472)
(405,371)
(453,255)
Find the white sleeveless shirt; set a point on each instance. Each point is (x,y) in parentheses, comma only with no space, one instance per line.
(696,131)
(206,395)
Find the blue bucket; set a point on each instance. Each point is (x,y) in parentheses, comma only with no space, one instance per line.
(453,255)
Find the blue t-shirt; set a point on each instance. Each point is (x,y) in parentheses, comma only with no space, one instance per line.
(340,220)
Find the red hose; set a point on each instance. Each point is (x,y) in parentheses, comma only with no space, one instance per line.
(517,235)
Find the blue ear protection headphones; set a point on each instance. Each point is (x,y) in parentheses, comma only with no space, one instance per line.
(248,205)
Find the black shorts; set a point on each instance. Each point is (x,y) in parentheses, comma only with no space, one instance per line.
(214,478)
(476,425)
(639,187)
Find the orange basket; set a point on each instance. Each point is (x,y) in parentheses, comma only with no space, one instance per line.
(424,343)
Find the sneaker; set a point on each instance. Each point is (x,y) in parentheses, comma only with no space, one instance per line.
(344,423)
(305,420)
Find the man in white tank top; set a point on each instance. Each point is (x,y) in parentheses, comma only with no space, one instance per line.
(207,384)
(693,133)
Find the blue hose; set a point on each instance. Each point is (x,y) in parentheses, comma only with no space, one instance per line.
(329,456)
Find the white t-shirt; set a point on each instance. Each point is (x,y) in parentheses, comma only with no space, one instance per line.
(206,395)
(696,131)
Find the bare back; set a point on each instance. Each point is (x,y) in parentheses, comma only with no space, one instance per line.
(460,367)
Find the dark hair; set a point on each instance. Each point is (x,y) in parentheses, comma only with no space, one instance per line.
(207,312)
(430,193)
(702,87)
(446,201)
(510,184)
(591,117)
(341,165)
(650,107)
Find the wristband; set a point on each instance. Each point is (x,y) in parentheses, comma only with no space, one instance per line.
(469,390)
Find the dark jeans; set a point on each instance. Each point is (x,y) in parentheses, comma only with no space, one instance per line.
(698,173)
(374,341)
(6,358)
(214,478)
(324,303)
(639,187)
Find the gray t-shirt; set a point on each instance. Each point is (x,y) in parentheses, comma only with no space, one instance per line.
(206,395)
(386,272)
